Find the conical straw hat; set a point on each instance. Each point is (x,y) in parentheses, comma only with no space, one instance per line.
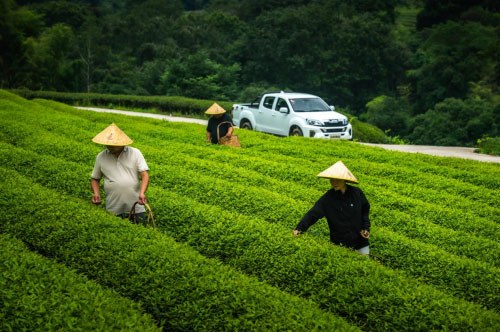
(215,109)
(112,136)
(338,171)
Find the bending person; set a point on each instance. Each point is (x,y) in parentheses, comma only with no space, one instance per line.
(345,208)
(219,124)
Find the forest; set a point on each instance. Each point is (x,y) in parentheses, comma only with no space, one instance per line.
(424,71)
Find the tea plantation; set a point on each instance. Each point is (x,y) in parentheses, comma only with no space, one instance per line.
(223,257)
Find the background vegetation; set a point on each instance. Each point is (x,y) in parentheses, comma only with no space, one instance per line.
(426,71)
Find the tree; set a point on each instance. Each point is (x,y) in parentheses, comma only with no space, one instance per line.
(389,114)
(16,24)
(88,45)
(440,11)
(198,76)
(53,60)
(456,122)
(325,49)
(70,13)
(218,33)
(450,57)
(141,22)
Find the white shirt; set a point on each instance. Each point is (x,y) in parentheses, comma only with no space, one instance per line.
(121,178)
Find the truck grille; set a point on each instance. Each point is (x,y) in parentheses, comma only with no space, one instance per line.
(334,123)
(333,130)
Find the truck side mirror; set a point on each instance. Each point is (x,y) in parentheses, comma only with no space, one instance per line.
(283,110)
(332,107)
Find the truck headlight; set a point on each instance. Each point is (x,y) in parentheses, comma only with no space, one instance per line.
(312,122)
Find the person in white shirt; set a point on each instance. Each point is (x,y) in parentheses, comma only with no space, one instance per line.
(125,174)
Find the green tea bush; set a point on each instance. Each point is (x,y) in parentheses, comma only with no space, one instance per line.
(226,240)
(489,145)
(161,103)
(181,289)
(38,294)
(232,205)
(365,132)
(481,251)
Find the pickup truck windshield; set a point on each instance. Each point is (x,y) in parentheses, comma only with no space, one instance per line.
(309,105)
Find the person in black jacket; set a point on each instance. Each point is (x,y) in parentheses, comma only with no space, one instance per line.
(345,208)
(219,125)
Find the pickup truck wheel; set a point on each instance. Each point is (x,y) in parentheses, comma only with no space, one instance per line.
(246,125)
(296,131)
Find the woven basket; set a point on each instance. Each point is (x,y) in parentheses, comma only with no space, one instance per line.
(233,141)
(149,221)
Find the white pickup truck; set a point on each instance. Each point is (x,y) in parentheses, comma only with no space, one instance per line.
(292,114)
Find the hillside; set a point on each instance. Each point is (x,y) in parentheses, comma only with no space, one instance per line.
(223,256)
(423,71)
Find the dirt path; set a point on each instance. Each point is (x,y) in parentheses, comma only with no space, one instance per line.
(146,115)
(440,151)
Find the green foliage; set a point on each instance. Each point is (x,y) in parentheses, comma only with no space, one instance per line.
(346,52)
(69,13)
(50,58)
(450,57)
(219,39)
(435,220)
(489,145)
(166,104)
(216,53)
(436,12)
(198,76)
(365,132)
(389,114)
(343,41)
(15,25)
(180,288)
(184,106)
(252,91)
(456,122)
(38,294)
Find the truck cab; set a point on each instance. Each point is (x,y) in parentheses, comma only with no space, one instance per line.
(292,114)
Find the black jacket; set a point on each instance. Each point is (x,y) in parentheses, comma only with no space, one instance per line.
(346,213)
(213,123)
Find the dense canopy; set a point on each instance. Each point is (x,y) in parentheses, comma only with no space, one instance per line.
(417,61)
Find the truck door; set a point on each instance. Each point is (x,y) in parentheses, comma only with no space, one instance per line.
(263,118)
(278,122)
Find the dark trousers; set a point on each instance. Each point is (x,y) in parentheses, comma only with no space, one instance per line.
(140,218)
